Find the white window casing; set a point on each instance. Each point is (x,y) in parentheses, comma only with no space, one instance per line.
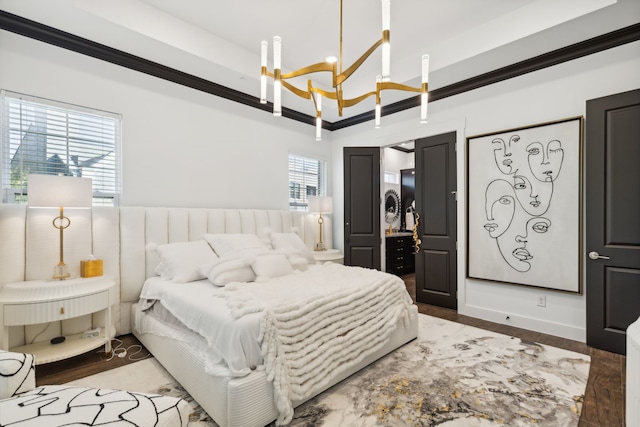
(42,136)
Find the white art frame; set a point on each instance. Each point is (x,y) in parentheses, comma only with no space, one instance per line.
(524,206)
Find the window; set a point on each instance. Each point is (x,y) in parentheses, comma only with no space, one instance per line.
(391,177)
(41,136)
(306,178)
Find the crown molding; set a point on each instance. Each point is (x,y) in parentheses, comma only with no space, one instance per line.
(35,30)
(578,50)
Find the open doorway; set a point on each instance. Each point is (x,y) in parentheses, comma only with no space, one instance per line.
(398,201)
(430,247)
(423,241)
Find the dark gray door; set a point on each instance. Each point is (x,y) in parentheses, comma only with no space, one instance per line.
(612,197)
(362,244)
(436,261)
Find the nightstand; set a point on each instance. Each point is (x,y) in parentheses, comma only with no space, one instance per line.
(42,301)
(330,255)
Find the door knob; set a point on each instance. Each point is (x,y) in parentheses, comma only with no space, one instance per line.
(596,255)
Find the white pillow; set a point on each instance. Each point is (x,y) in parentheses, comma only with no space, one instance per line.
(181,261)
(224,244)
(161,270)
(297,261)
(231,270)
(291,243)
(271,266)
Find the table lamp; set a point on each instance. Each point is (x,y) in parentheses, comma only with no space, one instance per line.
(57,191)
(320,204)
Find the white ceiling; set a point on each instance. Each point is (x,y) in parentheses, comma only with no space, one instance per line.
(220,41)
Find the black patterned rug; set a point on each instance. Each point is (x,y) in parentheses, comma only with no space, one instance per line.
(452,375)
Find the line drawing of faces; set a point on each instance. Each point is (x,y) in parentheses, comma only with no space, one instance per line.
(500,205)
(545,162)
(519,249)
(503,154)
(517,234)
(534,196)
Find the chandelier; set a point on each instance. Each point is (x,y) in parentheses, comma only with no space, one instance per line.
(339,76)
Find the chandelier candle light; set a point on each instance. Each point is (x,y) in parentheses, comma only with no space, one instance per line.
(334,66)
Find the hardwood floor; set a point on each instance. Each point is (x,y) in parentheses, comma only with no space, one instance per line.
(603,404)
(91,362)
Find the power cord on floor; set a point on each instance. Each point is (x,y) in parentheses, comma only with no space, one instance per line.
(121,352)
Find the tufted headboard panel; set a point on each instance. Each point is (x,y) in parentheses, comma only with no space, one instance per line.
(125,239)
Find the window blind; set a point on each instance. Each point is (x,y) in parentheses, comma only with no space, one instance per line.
(42,136)
(306,178)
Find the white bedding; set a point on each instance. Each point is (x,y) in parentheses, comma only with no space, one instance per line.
(233,346)
(302,328)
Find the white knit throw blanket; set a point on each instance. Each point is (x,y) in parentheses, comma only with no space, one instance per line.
(319,323)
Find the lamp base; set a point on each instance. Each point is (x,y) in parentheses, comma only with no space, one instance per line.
(60,272)
(320,247)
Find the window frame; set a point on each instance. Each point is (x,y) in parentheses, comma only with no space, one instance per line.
(303,204)
(70,132)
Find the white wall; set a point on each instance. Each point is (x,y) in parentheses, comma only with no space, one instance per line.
(547,95)
(181,147)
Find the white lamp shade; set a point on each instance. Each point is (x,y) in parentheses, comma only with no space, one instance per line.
(322,204)
(54,191)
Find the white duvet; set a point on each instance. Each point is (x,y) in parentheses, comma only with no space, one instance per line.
(304,327)
(232,345)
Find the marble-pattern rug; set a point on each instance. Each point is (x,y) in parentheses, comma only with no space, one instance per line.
(452,375)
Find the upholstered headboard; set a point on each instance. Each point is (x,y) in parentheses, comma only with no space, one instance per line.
(125,239)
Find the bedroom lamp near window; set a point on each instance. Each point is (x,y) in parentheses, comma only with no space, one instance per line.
(57,191)
(320,205)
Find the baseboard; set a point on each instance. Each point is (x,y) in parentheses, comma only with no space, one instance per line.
(511,319)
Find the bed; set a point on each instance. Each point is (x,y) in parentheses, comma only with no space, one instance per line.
(131,240)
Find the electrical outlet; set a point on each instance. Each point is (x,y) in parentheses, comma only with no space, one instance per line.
(542,301)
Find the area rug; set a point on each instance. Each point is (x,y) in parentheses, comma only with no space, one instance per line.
(452,375)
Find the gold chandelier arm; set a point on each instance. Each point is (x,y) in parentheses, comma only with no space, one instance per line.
(347,73)
(331,95)
(353,101)
(342,102)
(301,93)
(315,68)
(398,86)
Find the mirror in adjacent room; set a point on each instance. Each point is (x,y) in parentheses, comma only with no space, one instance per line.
(391,206)
(407,192)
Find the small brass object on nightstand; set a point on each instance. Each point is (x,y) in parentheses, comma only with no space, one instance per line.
(91,268)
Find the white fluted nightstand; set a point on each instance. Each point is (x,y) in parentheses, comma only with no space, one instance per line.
(330,255)
(42,301)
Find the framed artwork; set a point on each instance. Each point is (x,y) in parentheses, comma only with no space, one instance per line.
(524,206)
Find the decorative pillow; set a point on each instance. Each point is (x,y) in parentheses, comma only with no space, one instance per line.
(225,244)
(231,270)
(162,270)
(271,266)
(297,261)
(291,243)
(181,261)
